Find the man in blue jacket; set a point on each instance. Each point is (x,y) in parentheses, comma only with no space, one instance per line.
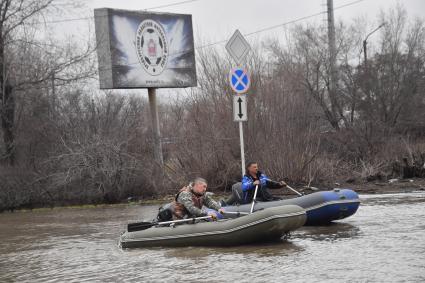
(243,193)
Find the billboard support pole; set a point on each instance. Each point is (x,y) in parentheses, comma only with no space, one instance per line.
(155,126)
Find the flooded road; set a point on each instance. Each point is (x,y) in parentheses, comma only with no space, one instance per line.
(383,241)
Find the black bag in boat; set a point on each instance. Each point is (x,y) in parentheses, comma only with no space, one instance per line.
(165,213)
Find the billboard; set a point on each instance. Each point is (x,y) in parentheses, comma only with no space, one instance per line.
(139,49)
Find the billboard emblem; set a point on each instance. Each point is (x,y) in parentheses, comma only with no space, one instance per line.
(152,47)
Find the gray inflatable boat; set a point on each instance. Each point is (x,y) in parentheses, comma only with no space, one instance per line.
(261,226)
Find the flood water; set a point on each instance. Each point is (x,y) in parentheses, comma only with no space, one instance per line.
(383,242)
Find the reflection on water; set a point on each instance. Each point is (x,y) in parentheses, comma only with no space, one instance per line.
(384,241)
(281,248)
(332,232)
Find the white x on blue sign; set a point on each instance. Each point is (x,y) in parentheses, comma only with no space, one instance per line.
(239,80)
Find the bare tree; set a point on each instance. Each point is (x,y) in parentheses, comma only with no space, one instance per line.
(26,62)
(396,72)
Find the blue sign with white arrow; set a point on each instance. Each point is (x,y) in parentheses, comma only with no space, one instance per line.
(239,80)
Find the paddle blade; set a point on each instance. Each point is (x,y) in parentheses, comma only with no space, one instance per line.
(138,226)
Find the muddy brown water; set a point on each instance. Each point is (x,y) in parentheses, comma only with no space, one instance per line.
(383,242)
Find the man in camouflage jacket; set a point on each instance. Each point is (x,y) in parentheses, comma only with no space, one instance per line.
(190,200)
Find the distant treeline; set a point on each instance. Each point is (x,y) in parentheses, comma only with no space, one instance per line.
(62,143)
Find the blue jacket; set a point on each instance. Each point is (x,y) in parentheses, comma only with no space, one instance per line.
(248,186)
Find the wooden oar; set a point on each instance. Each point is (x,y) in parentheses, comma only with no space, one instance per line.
(138,226)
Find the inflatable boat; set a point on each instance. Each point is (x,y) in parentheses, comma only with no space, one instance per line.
(321,207)
(264,225)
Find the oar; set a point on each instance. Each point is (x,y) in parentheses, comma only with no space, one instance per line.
(138,226)
(253,199)
(237,213)
(295,191)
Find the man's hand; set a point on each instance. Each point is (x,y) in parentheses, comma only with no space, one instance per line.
(213,216)
(257,182)
(282,183)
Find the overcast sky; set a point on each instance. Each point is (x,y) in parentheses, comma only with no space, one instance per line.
(216,20)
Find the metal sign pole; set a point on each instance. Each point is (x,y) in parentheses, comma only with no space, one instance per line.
(155,126)
(240,115)
(242,147)
(238,48)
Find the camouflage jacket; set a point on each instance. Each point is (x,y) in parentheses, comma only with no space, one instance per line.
(187,203)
